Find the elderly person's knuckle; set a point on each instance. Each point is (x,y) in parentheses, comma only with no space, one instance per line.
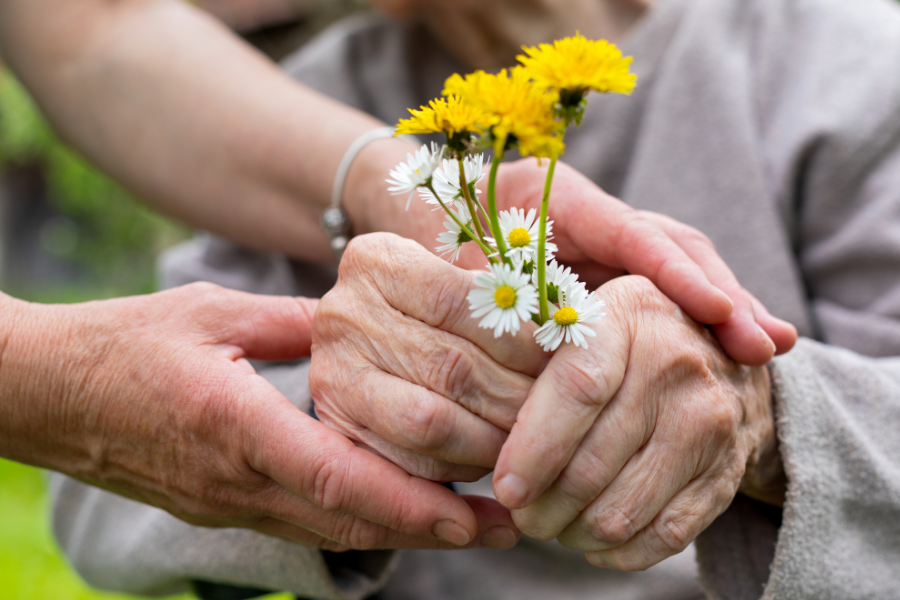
(721,417)
(688,363)
(583,480)
(446,299)
(674,534)
(362,254)
(450,370)
(428,427)
(584,382)
(612,526)
(635,294)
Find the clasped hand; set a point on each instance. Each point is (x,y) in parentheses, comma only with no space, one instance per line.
(626,450)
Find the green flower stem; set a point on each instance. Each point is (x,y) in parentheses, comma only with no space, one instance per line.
(492,207)
(481,243)
(470,204)
(544,305)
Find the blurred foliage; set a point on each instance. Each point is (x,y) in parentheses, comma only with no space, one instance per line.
(31,566)
(115,239)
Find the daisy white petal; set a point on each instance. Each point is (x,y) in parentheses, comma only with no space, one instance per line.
(504,297)
(520,232)
(454,238)
(567,323)
(417,171)
(446,180)
(558,278)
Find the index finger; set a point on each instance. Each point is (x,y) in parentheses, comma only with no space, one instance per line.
(560,409)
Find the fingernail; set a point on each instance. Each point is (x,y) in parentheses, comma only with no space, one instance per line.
(596,560)
(499,538)
(451,532)
(727,299)
(511,491)
(765,337)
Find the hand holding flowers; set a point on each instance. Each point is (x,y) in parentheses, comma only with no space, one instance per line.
(528,108)
(598,236)
(609,450)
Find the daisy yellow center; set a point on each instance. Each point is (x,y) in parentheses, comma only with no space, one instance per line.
(566,316)
(519,237)
(505,296)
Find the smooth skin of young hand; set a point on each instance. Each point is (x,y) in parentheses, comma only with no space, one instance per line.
(153,398)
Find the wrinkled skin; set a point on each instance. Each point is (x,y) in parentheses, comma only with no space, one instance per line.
(152,398)
(627,450)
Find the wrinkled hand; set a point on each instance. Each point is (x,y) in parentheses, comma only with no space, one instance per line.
(600,237)
(152,398)
(401,367)
(629,449)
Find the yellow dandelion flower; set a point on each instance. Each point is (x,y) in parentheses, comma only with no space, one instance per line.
(541,146)
(516,107)
(577,64)
(444,115)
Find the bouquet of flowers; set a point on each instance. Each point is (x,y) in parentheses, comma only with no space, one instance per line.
(528,107)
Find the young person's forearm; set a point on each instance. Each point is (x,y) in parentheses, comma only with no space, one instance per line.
(192,120)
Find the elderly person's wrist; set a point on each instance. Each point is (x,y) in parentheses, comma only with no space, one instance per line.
(765,479)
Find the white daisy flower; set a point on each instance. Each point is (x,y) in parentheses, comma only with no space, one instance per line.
(558,278)
(503,297)
(577,306)
(416,172)
(446,180)
(521,234)
(454,238)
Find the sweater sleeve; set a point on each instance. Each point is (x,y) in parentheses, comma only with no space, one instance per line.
(837,399)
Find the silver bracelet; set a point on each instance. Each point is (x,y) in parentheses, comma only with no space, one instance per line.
(335,220)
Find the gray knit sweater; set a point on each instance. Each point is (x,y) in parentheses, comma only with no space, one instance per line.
(771,125)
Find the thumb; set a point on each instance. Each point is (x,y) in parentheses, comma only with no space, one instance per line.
(269,327)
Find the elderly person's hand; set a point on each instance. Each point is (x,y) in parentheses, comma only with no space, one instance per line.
(153,398)
(400,366)
(629,449)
